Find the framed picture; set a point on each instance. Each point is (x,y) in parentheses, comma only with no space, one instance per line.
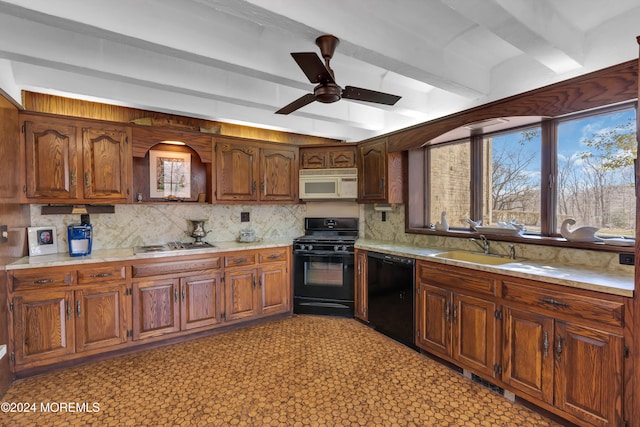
(42,240)
(169,175)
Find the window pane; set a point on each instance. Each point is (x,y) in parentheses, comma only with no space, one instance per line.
(595,172)
(449,183)
(511,181)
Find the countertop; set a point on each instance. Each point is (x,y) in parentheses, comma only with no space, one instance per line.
(581,277)
(127,254)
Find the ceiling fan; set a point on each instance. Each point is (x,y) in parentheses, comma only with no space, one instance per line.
(327,90)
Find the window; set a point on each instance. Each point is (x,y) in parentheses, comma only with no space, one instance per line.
(595,172)
(448,185)
(511,183)
(580,166)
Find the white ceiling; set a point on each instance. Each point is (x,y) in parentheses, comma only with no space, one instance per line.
(229,60)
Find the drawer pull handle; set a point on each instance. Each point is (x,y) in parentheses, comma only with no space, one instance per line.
(545,344)
(273,256)
(102,275)
(239,260)
(553,302)
(42,281)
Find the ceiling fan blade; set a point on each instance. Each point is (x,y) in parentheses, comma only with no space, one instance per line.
(313,67)
(359,94)
(298,103)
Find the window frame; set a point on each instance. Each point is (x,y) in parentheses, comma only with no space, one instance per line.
(418,181)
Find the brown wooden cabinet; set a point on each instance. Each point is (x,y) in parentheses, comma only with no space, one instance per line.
(454,324)
(565,349)
(70,160)
(257,283)
(379,173)
(42,325)
(57,312)
(328,157)
(361,288)
(173,296)
(250,171)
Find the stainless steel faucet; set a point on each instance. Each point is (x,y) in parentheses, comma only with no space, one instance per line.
(484,245)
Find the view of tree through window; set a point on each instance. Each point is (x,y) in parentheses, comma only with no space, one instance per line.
(511,184)
(596,174)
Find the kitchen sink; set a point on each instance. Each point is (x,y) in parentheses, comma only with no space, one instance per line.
(171,246)
(476,257)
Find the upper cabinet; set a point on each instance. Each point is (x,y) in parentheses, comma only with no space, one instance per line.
(250,171)
(327,157)
(75,160)
(379,173)
(107,162)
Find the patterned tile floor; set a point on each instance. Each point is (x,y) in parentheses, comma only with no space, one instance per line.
(302,371)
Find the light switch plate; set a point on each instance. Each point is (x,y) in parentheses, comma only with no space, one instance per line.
(4,234)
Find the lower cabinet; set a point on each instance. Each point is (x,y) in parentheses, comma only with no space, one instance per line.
(576,369)
(61,313)
(456,326)
(257,284)
(361,287)
(560,348)
(51,323)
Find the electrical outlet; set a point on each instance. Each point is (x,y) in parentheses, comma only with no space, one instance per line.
(627,259)
(4,234)
(244,216)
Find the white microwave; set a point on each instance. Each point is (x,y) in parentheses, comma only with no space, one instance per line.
(319,184)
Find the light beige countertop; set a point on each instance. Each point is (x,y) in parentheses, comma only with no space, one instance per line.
(581,277)
(127,254)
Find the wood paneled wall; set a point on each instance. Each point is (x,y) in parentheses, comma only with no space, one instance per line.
(93,110)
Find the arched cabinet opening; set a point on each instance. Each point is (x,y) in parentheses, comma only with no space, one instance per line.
(171,166)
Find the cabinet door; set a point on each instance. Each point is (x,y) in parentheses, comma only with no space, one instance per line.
(274,288)
(43,328)
(279,174)
(156,309)
(236,172)
(106,154)
(372,171)
(51,160)
(100,317)
(313,158)
(342,158)
(588,368)
(200,301)
(528,353)
(474,330)
(240,294)
(433,317)
(361,289)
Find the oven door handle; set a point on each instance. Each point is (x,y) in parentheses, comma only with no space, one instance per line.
(322,253)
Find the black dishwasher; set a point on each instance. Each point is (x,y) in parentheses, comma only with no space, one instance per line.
(390,296)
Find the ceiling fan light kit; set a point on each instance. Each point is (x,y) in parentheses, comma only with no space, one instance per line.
(328,91)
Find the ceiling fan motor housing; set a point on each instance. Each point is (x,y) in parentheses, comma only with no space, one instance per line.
(327,92)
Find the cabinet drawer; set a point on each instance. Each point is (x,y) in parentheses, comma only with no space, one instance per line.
(579,306)
(240,259)
(41,278)
(460,281)
(158,268)
(272,255)
(101,274)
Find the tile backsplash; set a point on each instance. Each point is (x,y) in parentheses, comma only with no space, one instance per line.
(140,224)
(393,229)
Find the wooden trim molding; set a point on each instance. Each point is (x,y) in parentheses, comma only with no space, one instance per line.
(607,86)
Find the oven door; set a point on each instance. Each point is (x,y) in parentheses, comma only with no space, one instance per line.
(326,276)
